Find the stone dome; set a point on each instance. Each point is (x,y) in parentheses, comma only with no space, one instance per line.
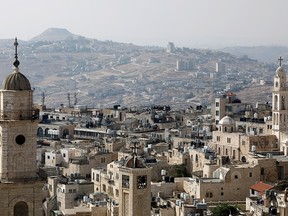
(280,71)
(226,120)
(16,81)
(134,162)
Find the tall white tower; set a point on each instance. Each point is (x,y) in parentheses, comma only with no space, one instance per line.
(280,105)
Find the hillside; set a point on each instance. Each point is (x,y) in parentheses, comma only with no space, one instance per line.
(103,73)
(268,54)
(54,34)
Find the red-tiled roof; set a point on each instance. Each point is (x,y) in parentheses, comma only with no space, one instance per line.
(230,94)
(261,187)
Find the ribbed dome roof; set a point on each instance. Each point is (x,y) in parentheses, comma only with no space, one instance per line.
(134,162)
(16,81)
(226,120)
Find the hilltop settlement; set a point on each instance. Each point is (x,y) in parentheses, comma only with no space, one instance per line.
(81,160)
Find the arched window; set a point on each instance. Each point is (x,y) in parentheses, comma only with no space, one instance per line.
(21,209)
(40,132)
(262,171)
(276,102)
(196,158)
(46,131)
(283,102)
(65,133)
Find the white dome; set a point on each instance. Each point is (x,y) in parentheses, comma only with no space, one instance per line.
(226,120)
(280,71)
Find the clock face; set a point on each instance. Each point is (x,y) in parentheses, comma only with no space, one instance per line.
(125,181)
(142,181)
(20,139)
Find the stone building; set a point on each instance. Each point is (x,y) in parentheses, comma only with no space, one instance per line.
(128,182)
(21,190)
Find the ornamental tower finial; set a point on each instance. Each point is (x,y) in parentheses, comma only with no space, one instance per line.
(16,62)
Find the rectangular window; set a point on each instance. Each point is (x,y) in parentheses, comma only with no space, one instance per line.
(97,177)
(250,174)
(217,104)
(243,142)
(218,138)
(228,140)
(261,131)
(102,160)
(217,113)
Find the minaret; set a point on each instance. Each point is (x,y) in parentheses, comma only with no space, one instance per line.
(19,185)
(280,104)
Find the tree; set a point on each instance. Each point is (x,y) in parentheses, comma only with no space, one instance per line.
(224,210)
(180,170)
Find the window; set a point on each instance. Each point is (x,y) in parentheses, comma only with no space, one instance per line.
(48,157)
(228,140)
(217,113)
(209,194)
(261,131)
(21,209)
(262,171)
(217,104)
(222,193)
(243,142)
(250,174)
(218,138)
(236,176)
(70,190)
(117,192)
(97,177)
(104,187)
(64,155)
(102,160)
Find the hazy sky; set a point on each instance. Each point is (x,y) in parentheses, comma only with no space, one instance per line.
(152,22)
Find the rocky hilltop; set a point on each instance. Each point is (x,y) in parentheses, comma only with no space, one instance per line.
(102,73)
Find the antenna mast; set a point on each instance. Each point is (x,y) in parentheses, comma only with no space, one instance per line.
(43,99)
(69,100)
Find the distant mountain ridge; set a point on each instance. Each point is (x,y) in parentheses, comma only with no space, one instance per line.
(54,34)
(268,54)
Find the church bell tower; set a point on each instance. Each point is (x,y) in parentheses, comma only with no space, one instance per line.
(20,187)
(280,105)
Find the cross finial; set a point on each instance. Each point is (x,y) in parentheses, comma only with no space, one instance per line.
(280,60)
(16,62)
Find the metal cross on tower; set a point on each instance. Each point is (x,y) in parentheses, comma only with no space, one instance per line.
(280,60)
